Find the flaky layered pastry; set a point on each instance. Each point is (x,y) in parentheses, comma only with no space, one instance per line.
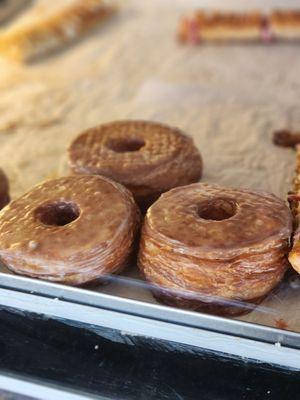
(235,26)
(215,249)
(42,32)
(221,26)
(294,198)
(286,24)
(148,158)
(72,230)
(286,138)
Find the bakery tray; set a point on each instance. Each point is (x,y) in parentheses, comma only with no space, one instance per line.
(195,89)
(135,317)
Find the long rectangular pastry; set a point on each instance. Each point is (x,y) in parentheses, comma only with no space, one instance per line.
(235,26)
(285,24)
(50,25)
(218,26)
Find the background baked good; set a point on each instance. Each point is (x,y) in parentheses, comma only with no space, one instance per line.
(230,99)
(11,8)
(149,158)
(50,26)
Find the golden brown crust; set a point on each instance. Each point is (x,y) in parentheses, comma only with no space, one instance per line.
(230,19)
(221,26)
(285,18)
(41,37)
(285,24)
(148,158)
(294,199)
(72,230)
(297,177)
(249,26)
(209,243)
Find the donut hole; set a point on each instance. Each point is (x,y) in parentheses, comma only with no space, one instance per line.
(59,213)
(125,145)
(217,209)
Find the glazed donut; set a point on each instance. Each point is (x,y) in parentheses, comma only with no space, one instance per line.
(209,248)
(4,189)
(72,230)
(149,158)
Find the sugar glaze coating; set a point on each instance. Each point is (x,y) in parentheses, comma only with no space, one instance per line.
(149,158)
(202,243)
(73,230)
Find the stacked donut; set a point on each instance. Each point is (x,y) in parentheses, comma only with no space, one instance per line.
(202,246)
(81,228)
(215,249)
(73,230)
(148,158)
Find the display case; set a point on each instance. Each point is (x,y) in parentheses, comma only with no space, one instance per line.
(229,97)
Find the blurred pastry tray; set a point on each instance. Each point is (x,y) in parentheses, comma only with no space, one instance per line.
(86,306)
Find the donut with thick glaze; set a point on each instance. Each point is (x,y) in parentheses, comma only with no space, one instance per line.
(215,249)
(149,158)
(74,230)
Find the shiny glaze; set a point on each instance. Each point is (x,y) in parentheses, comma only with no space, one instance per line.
(167,157)
(98,242)
(242,257)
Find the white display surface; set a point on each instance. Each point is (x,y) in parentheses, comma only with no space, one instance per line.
(230,98)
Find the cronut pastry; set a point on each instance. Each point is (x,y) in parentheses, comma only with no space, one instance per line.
(214,249)
(73,230)
(149,158)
